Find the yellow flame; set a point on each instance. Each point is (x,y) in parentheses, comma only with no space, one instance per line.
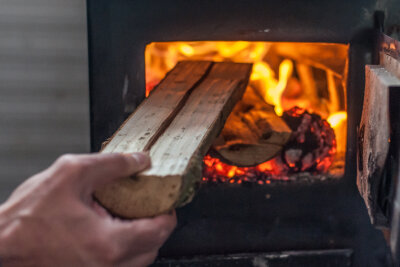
(186,49)
(162,57)
(285,71)
(336,118)
(272,88)
(261,70)
(228,49)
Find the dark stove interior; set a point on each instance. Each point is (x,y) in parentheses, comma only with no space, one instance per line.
(311,220)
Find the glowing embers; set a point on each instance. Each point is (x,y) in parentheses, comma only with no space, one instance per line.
(311,150)
(311,76)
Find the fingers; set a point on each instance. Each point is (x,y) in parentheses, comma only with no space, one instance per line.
(143,235)
(95,170)
(142,260)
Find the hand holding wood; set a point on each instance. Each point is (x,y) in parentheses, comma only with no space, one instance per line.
(52,219)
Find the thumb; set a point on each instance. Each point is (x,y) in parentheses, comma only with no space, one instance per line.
(92,171)
(109,167)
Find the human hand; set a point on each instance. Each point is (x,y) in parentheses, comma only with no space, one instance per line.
(52,219)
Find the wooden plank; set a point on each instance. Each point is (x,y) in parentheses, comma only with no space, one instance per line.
(178,151)
(157,111)
(373,138)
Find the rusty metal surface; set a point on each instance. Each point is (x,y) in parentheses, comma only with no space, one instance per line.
(373,139)
(389,46)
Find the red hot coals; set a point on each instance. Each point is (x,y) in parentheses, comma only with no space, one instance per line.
(311,149)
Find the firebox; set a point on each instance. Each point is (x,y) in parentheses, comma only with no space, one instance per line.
(307,80)
(298,207)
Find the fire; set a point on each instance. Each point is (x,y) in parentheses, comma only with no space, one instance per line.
(186,50)
(337,118)
(284,83)
(273,93)
(312,149)
(338,122)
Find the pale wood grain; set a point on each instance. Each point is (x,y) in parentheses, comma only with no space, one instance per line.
(152,117)
(177,153)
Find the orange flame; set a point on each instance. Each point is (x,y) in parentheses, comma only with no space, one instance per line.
(336,118)
(276,83)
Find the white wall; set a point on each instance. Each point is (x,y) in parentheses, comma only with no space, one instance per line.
(43,86)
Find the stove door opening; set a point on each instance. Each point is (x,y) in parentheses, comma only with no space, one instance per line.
(290,124)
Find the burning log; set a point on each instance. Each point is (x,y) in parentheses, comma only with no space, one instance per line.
(311,149)
(176,124)
(252,134)
(312,145)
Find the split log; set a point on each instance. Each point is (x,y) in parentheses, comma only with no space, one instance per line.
(373,138)
(177,124)
(252,134)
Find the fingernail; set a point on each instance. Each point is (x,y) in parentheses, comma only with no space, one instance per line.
(141,158)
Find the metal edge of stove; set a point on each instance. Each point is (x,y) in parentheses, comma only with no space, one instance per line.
(313,258)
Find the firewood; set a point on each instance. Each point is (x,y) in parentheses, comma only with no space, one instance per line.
(311,149)
(312,146)
(176,124)
(252,134)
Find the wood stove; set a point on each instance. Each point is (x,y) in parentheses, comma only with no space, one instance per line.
(322,222)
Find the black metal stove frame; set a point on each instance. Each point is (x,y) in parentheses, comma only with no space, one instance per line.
(237,219)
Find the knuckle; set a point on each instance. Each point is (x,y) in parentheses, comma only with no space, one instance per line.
(163,235)
(112,255)
(172,223)
(153,255)
(68,162)
(149,258)
(107,251)
(150,231)
(123,161)
(72,165)
(168,224)
(156,235)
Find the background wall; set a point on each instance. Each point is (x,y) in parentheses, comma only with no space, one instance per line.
(43,86)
